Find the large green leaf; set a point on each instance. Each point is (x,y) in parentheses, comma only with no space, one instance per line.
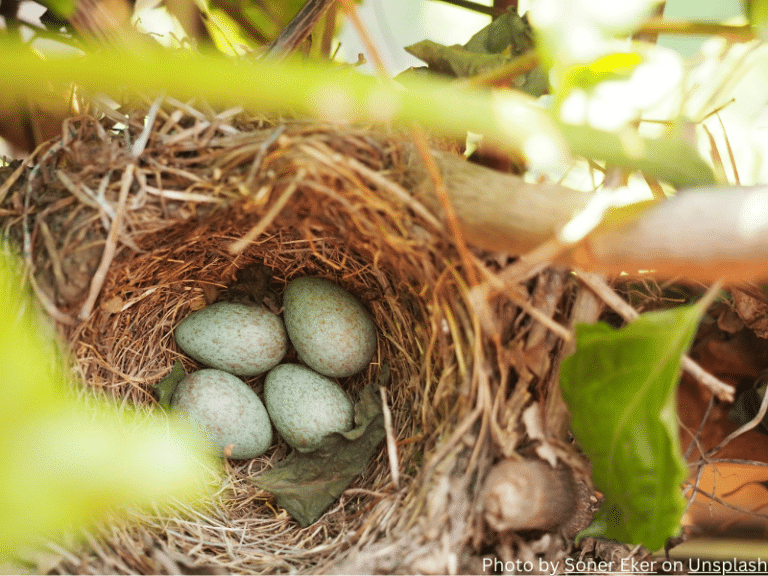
(306,484)
(620,388)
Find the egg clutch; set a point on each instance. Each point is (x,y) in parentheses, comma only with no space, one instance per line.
(332,333)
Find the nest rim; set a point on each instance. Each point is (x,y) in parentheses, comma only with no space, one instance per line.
(178,239)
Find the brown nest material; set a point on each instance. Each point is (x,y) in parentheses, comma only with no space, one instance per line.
(127,229)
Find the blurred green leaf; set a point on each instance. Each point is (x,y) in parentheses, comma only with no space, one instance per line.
(604,86)
(492,48)
(62,8)
(63,464)
(620,388)
(306,484)
(672,159)
(228,36)
(617,66)
(508,32)
(456,61)
(757,14)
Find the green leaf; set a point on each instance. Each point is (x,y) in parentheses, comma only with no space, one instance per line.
(456,61)
(620,388)
(495,46)
(167,386)
(307,484)
(508,30)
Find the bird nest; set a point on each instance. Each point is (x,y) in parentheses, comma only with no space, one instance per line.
(129,222)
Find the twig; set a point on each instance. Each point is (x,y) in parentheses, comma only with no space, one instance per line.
(239,245)
(364,492)
(365,37)
(297,30)
(50,245)
(183,196)
(394,465)
(8,182)
(719,388)
(696,438)
(745,428)
(475,7)
(141,142)
(735,33)
(263,149)
(520,65)
(532,262)
(377,179)
(599,286)
(84,194)
(110,245)
(47,303)
(722,502)
(482,293)
(458,432)
(420,140)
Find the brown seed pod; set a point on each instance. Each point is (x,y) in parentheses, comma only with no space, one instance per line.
(528,495)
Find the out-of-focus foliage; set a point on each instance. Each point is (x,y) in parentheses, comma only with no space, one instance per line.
(62,8)
(64,464)
(240,27)
(757,14)
(511,120)
(603,85)
(232,27)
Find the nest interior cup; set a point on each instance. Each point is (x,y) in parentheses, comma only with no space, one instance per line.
(175,225)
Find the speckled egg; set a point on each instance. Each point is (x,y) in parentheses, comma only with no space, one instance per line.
(241,339)
(305,406)
(227,410)
(330,329)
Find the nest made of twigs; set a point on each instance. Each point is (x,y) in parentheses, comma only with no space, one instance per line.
(127,228)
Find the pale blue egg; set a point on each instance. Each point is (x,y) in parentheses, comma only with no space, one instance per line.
(306,406)
(242,339)
(227,410)
(330,329)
